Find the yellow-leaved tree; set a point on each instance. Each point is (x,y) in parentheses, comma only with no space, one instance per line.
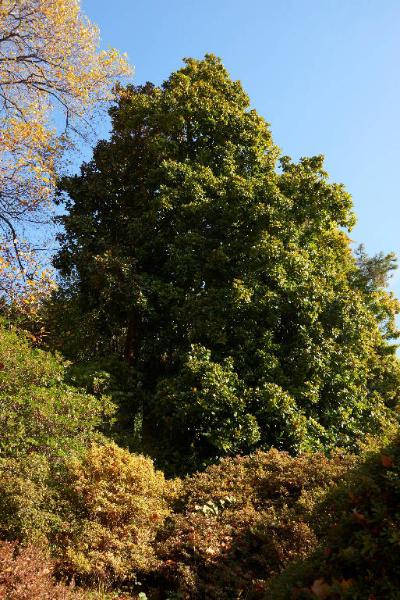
(52,78)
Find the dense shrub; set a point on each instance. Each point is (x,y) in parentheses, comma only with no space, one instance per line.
(98,511)
(242,521)
(38,411)
(359,559)
(116,504)
(109,517)
(30,507)
(26,574)
(42,419)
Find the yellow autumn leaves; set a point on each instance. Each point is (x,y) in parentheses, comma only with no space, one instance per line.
(52,77)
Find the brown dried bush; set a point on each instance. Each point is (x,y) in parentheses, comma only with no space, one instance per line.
(26,574)
(242,521)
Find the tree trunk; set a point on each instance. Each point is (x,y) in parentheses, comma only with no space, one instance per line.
(132,340)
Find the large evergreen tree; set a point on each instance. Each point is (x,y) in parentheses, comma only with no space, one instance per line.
(224,278)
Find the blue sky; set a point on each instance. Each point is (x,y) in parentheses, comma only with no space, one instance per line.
(324,73)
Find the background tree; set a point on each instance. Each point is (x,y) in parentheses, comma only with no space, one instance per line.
(227,284)
(374,271)
(52,75)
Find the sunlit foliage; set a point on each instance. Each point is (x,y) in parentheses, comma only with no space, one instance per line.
(224,278)
(38,411)
(52,76)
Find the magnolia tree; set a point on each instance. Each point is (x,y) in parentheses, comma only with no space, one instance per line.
(52,77)
(221,274)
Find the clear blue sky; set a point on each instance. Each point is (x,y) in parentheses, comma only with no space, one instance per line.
(324,73)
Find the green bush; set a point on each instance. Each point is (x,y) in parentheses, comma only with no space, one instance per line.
(29,501)
(39,412)
(359,558)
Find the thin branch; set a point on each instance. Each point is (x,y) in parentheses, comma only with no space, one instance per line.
(14,240)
